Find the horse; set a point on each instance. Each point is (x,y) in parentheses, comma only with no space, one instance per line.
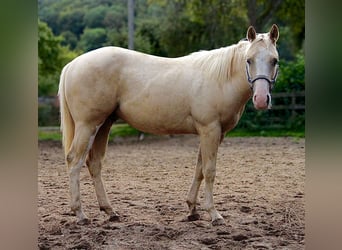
(203,93)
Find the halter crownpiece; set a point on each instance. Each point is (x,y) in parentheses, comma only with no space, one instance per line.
(257,77)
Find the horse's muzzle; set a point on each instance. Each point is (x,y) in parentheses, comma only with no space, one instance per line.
(261,95)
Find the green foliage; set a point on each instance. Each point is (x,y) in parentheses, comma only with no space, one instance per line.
(92,38)
(52,56)
(49,135)
(48,115)
(266,133)
(124,130)
(48,84)
(48,49)
(117,130)
(291,75)
(72,20)
(94,18)
(175,28)
(288,14)
(70,39)
(292,14)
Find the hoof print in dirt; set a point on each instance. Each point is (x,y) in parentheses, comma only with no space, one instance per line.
(218,222)
(239,237)
(193,217)
(114,218)
(83,222)
(209,241)
(245,209)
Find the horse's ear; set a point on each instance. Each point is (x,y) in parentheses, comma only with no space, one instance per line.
(251,34)
(274,33)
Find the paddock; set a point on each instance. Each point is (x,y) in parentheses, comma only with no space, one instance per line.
(259,191)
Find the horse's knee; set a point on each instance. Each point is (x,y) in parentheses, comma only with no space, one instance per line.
(69,158)
(72,160)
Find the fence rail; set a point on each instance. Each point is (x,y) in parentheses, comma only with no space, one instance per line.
(294,96)
(293,102)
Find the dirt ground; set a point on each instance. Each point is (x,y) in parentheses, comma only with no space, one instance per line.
(259,190)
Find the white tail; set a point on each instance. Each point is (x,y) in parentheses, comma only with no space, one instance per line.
(67,123)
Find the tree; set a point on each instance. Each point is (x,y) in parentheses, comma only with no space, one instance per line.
(187,26)
(48,49)
(92,39)
(94,18)
(174,27)
(70,39)
(52,56)
(286,13)
(222,21)
(292,15)
(72,20)
(260,13)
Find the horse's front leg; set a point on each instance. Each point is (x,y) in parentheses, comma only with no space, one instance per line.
(210,138)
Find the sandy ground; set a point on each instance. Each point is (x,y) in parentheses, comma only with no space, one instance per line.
(259,190)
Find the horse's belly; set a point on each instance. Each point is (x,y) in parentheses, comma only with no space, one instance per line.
(157,120)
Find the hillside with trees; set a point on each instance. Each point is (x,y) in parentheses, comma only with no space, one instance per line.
(170,28)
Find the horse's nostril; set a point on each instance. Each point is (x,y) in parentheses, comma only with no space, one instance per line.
(268,100)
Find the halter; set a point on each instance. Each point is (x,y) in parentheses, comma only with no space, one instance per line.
(257,77)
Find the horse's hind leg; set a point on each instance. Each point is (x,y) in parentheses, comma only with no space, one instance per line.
(84,137)
(95,162)
(193,192)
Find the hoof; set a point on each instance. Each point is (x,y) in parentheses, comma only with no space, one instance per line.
(114,217)
(218,222)
(84,221)
(193,217)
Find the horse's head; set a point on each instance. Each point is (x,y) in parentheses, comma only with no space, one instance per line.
(262,65)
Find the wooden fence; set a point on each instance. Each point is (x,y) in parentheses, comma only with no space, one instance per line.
(293,105)
(293,102)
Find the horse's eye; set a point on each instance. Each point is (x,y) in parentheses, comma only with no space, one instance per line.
(249,61)
(274,61)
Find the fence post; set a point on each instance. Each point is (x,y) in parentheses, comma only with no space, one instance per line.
(293,104)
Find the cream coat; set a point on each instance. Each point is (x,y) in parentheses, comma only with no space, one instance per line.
(203,93)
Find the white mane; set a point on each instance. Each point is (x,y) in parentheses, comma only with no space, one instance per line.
(217,63)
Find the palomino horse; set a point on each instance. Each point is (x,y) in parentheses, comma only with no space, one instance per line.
(203,93)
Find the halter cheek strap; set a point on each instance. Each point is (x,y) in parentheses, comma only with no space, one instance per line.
(257,77)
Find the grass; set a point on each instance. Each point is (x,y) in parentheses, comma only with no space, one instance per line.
(267,133)
(122,130)
(119,130)
(44,135)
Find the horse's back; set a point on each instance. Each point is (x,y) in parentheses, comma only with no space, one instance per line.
(149,92)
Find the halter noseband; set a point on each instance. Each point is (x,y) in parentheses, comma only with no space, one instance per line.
(257,77)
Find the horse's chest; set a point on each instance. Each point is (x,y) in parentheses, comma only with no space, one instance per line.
(230,119)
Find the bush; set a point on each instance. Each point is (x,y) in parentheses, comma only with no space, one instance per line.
(48,115)
(291,75)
